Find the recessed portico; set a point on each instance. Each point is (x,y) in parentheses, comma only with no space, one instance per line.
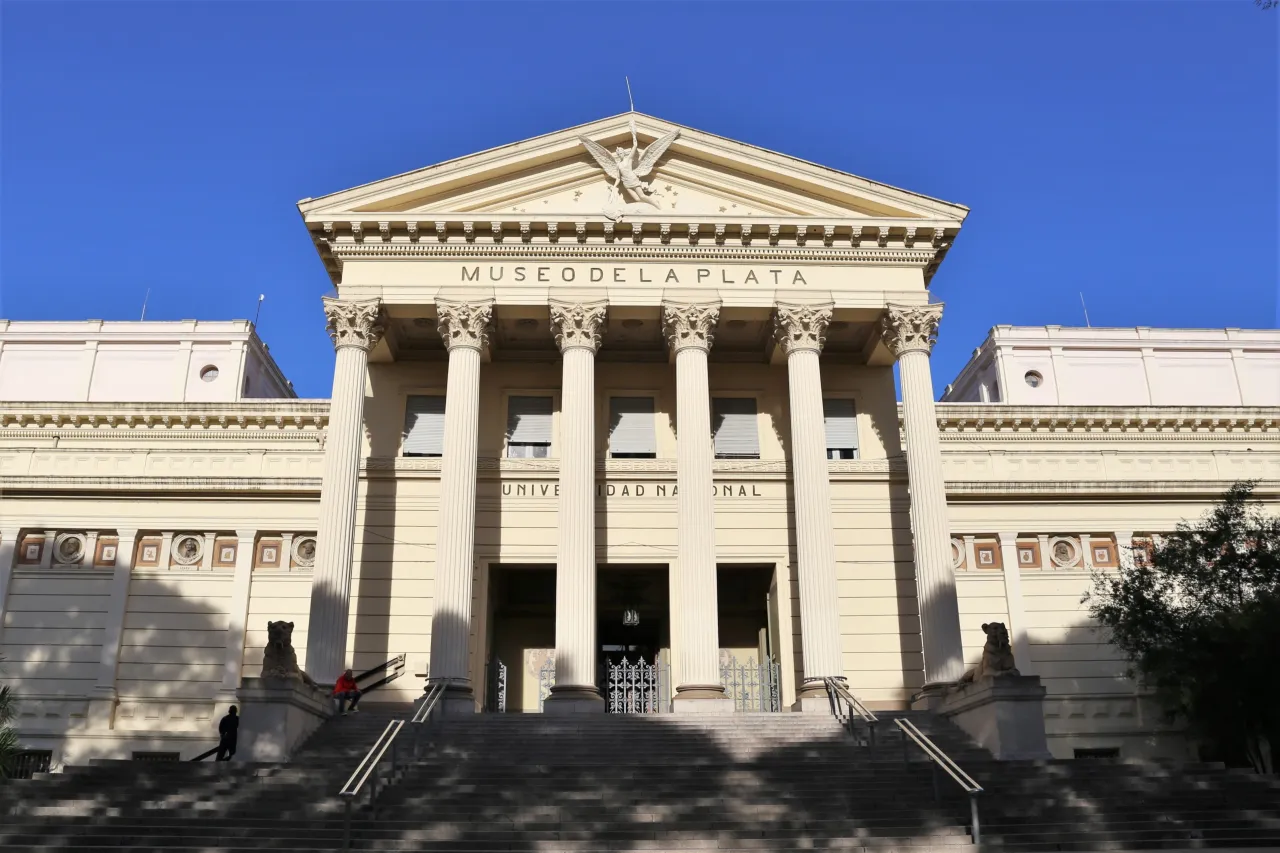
(616,375)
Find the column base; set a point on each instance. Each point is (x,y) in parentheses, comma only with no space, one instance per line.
(573,699)
(813,698)
(701,699)
(102,708)
(931,696)
(458,700)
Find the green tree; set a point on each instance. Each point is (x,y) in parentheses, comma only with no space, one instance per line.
(1200,624)
(8,737)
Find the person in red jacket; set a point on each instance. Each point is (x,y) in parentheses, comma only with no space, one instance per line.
(346,689)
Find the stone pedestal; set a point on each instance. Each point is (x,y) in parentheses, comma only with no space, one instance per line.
(276,716)
(1004,714)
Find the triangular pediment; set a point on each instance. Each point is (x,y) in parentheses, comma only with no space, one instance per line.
(698,175)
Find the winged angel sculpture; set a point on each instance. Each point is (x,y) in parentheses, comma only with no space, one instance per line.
(626,168)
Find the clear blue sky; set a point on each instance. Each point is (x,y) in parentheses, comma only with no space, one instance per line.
(1127,150)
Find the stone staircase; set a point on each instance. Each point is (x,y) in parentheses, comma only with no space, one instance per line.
(747,782)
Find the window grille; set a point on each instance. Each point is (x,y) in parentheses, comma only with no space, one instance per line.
(733,428)
(423,426)
(528,427)
(631,432)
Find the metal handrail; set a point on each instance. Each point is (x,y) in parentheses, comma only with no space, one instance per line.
(368,765)
(838,691)
(837,688)
(940,759)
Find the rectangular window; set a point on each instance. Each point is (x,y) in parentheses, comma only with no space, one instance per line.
(528,427)
(733,428)
(423,427)
(842,428)
(631,432)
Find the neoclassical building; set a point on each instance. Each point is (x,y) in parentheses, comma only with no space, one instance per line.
(614,427)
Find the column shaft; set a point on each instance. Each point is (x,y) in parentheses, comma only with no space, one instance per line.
(815,540)
(102,701)
(355,327)
(456,530)
(935,580)
(335,537)
(696,634)
(8,556)
(238,616)
(578,328)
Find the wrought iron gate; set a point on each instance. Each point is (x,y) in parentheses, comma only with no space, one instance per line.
(752,686)
(637,688)
(546,680)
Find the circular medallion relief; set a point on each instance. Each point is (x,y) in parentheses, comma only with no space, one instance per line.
(1064,552)
(68,548)
(187,549)
(209,372)
(1033,378)
(304,551)
(957,553)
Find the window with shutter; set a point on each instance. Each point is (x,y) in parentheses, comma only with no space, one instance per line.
(842,428)
(733,428)
(631,432)
(528,427)
(423,426)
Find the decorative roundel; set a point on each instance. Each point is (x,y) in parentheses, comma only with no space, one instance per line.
(68,548)
(304,551)
(957,553)
(209,372)
(1033,378)
(1064,552)
(187,549)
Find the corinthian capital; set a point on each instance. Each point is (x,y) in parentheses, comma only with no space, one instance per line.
(354,324)
(910,328)
(464,324)
(690,326)
(801,327)
(578,324)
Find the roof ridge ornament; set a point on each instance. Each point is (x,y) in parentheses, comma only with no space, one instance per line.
(628,193)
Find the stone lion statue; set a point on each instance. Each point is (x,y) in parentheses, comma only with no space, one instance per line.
(279,660)
(997,655)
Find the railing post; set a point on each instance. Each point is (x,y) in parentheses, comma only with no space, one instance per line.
(905,758)
(871,739)
(973,816)
(937,794)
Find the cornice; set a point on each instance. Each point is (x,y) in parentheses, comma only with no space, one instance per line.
(959,421)
(1136,489)
(154,419)
(645,466)
(166,484)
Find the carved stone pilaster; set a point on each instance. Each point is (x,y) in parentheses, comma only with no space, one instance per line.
(578,324)
(910,328)
(798,327)
(354,324)
(687,325)
(464,324)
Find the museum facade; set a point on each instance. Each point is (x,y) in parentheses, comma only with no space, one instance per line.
(609,431)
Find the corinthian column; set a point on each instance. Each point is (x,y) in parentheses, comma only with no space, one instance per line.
(356,327)
(577,329)
(801,331)
(690,330)
(465,329)
(910,332)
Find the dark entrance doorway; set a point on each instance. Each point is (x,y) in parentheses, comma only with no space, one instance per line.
(522,637)
(634,639)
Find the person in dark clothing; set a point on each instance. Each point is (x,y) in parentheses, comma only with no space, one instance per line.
(228,729)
